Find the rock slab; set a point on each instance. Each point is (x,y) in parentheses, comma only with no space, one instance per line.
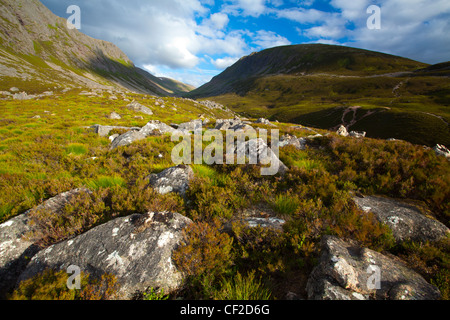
(136,249)
(407,222)
(349,272)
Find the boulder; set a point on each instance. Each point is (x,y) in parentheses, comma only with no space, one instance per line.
(175,179)
(18,238)
(349,272)
(127,139)
(342,131)
(136,249)
(103,131)
(259,152)
(135,106)
(442,150)
(156,126)
(406,221)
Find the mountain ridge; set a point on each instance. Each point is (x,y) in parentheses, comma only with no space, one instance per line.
(36,44)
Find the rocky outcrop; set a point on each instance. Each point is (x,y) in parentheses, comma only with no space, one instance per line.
(349,272)
(135,106)
(406,221)
(18,238)
(136,249)
(191,125)
(175,179)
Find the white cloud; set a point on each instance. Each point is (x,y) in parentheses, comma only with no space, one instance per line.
(268,39)
(223,63)
(253,8)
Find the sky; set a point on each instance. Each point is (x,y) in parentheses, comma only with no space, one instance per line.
(194,40)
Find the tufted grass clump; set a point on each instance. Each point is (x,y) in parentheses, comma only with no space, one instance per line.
(243,288)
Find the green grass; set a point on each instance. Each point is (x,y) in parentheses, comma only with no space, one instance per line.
(76,149)
(105,182)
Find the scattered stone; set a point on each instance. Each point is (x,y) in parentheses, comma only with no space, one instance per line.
(14,89)
(139,117)
(135,106)
(36,117)
(342,131)
(191,125)
(406,221)
(136,249)
(264,121)
(175,179)
(112,97)
(442,150)
(298,143)
(349,272)
(18,239)
(23,96)
(114,116)
(259,153)
(357,134)
(232,125)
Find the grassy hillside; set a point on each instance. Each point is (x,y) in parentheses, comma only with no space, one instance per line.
(311,85)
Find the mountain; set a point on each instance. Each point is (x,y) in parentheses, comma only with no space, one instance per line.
(324,86)
(38,51)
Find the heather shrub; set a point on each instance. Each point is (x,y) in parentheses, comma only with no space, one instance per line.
(52,285)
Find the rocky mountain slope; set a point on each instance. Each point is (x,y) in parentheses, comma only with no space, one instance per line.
(38,52)
(327,86)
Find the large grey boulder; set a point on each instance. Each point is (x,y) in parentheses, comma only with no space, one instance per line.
(349,272)
(19,238)
(136,106)
(175,179)
(357,134)
(406,221)
(136,249)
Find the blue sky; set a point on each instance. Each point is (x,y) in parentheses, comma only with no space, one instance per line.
(194,40)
